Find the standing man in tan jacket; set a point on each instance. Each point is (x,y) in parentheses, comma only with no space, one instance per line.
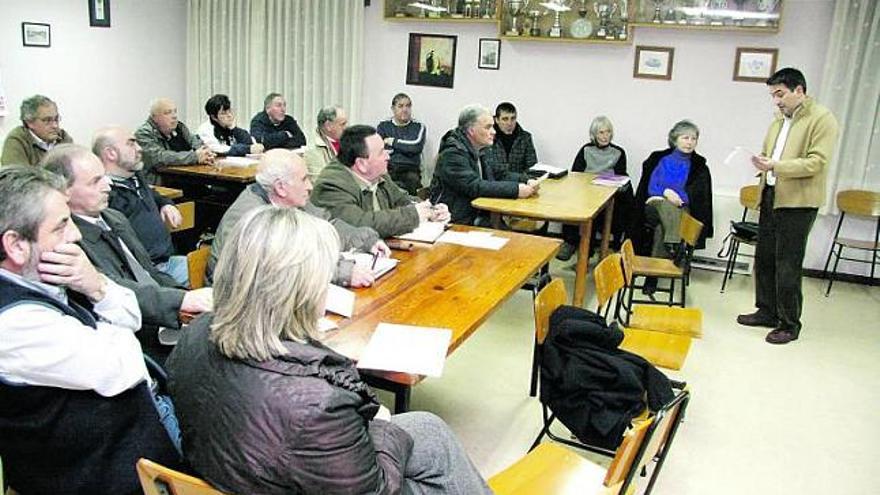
(792,165)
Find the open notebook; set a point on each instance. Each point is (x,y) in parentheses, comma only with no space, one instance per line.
(426,232)
(382,266)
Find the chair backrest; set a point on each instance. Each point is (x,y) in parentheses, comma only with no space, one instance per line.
(546,301)
(628,457)
(748,197)
(196,264)
(690,229)
(858,202)
(628,259)
(157,479)
(608,277)
(188,212)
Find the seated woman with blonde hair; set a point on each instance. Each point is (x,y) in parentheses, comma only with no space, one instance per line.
(266,408)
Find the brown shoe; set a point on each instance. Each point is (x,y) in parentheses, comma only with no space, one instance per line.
(780,336)
(757,319)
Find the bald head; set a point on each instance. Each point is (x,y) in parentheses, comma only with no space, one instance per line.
(118,150)
(163,113)
(284,176)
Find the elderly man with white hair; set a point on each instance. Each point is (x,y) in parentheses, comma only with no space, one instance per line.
(167,141)
(282,180)
(463,173)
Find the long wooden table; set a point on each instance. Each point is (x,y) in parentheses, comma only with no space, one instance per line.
(571,199)
(439,285)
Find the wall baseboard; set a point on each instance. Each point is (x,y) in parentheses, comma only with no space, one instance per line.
(843,277)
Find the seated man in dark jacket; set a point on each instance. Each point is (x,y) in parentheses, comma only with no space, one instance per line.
(130,194)
(357,189)
(464,173)
(112,246)
(76,410)
(273,128)
(167,141)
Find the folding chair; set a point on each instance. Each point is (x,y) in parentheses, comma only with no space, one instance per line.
(196,264)
(646,266)
(157,479)
(860,203)
(748,198)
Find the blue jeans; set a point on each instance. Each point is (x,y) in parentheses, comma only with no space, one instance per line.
(165,408)
(177,269)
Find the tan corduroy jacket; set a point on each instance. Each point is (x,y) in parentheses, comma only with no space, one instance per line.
(801,171)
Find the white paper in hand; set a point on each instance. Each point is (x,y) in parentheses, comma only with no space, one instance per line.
(406,349)
(739,157)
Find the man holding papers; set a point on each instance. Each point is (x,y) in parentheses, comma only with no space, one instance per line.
(792,167)
(464,174)
(357,189)
(282,180)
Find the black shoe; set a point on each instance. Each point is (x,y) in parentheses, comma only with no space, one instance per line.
(565,252)
(650,287)
(757,319)
(780,336)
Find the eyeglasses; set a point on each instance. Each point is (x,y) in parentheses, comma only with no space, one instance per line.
(50,120)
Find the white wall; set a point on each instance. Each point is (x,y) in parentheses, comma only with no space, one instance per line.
(559,87)
(98,76)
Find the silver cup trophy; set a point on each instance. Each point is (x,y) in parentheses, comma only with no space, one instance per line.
(515,8)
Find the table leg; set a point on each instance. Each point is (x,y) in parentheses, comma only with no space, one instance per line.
(496,220)
(402,392)
(606,228)
(580,274)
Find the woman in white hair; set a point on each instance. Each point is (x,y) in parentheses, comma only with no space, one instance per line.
(265,408)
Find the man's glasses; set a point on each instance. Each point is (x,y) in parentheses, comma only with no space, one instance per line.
(50,120)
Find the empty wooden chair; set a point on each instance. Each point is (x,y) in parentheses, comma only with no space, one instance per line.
(748,198)
(858,203)
(157,479)
(197,264)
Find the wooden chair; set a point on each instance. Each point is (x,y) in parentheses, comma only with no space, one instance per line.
(548,295)
(550,469)
(160,480)
(197,263)
(859,203)
(748,198)
(646,266)
(666,349)
(188,212)
(673,319)
(168,192)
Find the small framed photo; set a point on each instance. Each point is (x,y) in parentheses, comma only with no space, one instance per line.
(99,13)
(653,62)
(490,54)
(755,64)
(36,34)
(431,60)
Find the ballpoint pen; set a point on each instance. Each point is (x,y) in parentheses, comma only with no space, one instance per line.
(375,258)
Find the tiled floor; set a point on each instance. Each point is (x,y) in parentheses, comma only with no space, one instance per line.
(795,419)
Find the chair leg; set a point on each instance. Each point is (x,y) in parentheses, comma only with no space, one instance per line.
(536,365)
(661,458)
(728,267)
(834,271)
(684,292)
(548,420)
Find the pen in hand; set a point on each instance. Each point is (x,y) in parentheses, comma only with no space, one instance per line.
(375,258)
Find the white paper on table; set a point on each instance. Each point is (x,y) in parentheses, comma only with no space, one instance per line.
(483,240)
(383,265)
(406,349)
(550,169)
(237,161)
(340,301)
(326,324)
(739,156)
(425,232)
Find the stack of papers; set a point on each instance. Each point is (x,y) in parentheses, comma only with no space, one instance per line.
(611,180)
(237,161)
(382,266)
(553,171)
(406,349)
(425,232)
(477,239)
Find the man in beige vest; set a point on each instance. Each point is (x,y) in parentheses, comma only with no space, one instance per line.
(792,166)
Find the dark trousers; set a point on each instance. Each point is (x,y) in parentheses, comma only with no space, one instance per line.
(779,258)
(409,179)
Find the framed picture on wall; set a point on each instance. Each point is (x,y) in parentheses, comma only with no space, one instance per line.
(431,60)
(755,64)
(653,62)
(36,34)
(490,54)
(99,13)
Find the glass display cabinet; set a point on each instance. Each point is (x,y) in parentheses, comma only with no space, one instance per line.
(587,21)
(746,15)
(442,10)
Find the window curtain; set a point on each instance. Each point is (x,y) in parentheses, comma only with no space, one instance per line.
(308,50)
(851,90)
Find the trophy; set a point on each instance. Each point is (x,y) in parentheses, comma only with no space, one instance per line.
(489,9)
(581,27)
(558,7)
(468,8)
(765,7)
(603,13)
(700,18)
(738,18)
(434,12)
(624,19)
(670,17)
(535,29)
(716,7)
(657,4)
(515,8)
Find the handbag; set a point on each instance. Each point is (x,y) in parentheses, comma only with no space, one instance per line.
(743,231)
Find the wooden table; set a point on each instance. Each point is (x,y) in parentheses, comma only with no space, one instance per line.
(571,199)
(441,285)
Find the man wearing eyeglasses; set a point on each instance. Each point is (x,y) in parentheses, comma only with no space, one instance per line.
(39,132)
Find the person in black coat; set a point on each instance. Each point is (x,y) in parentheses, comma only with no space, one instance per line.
(273,128)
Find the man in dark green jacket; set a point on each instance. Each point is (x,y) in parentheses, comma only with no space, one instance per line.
(39,132)
(464,172)
(356,188)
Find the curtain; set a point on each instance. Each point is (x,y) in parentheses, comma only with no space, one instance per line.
(309,50)
(851,90)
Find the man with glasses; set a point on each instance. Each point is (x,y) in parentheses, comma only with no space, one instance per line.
(39,132)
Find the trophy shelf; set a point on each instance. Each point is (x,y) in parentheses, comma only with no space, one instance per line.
(461,11)
(567,21)
(755,16)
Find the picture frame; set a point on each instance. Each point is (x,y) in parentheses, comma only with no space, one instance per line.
(431,60)
(755,64)
(99,13)
(490,54)
(653,62)
(36,34)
